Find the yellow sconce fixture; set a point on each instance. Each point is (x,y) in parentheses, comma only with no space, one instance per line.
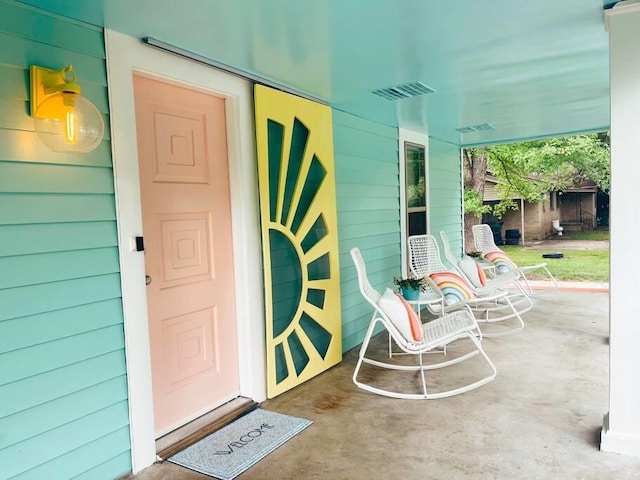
(64,120)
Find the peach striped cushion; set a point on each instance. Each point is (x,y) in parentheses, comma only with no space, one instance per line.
(500,260)
(454,288)
(400,313)
(414,321)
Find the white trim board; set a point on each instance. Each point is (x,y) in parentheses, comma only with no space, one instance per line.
(126,55)
(618,442)
(418,139)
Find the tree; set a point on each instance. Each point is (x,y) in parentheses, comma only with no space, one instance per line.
(475,162)
(530,169)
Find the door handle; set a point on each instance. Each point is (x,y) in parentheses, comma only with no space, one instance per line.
(147,279)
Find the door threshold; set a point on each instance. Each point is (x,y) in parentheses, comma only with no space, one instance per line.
(185,436)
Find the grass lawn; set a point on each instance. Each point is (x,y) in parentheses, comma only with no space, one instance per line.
(576,265)
(590,235)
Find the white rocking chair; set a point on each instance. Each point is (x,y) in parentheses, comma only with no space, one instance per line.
(519,297)
(484,242)
(454,259)
(436,334)
(490,303)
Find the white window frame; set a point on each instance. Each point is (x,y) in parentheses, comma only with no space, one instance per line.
(416,138)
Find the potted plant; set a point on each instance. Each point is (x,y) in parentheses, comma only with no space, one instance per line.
(411,287)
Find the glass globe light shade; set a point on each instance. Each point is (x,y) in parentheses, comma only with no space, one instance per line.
(68,122)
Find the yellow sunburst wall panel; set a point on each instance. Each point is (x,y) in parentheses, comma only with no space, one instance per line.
(299,237)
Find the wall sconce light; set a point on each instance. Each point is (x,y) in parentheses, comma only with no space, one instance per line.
(64,120)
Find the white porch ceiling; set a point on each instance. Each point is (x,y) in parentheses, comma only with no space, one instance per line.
(528,68)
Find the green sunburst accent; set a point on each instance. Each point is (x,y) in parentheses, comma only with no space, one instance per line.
(317,233)
(286,281)
(292,191)
(316,297)
(311,186)
(281,363)
(298,353)
(319,335)
(320,268)
(299,138)
(275,134)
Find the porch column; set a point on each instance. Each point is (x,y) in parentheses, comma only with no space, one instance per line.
(621,428)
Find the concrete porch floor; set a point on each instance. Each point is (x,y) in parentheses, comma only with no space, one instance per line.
(539,419)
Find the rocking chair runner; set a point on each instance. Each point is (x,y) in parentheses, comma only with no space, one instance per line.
(484,242)
(435,334)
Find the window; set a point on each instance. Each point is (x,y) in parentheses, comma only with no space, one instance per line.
(413,153)
(416,206)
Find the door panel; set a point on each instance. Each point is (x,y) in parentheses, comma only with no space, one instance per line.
(184,186)
(300,238)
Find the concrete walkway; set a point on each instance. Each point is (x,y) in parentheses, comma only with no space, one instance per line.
(539,419)
(570,286)
(561,243)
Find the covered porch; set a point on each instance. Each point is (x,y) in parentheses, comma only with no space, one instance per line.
(74,322)
(540,418)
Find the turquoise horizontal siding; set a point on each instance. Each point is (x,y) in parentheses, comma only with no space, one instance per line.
(21,50)
(62,440)
(56,237)
(40,27)
(47,208)
(53,267)
(46,327)
(445,192)
(39,389)
(368,204)
(47,297)
(32,177)
(71,465)
(63,386)
(108,469)
(24,425)
(26,362)
(24,146)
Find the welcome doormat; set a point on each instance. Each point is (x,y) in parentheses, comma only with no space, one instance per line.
(227,453)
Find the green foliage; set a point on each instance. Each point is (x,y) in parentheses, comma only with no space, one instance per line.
(412,282)
(589,235)
(530,169)
(416,194)
(473,203)
(500,208)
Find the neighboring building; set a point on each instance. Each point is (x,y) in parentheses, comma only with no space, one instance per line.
(584,207)
(576,208)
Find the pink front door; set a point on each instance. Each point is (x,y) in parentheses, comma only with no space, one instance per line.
(184,183)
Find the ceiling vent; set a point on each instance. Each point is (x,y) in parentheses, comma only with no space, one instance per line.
(483,127)
(406,90)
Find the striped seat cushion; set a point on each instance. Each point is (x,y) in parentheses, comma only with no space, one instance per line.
(401,314)
(500,260)
(454,288)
